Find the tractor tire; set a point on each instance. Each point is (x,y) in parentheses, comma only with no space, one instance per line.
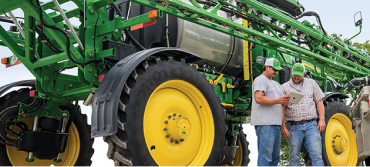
(79,146)
(169,115)
(338,129)
(242,153)
(367,161)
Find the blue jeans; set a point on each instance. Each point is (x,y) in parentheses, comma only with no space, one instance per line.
(268,140)
(309,135)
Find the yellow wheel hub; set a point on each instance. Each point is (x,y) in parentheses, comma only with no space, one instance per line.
(178,125)
(340,144)
(178,128)
(340,141)
(69,157)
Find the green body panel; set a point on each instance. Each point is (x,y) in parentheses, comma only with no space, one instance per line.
(227,95)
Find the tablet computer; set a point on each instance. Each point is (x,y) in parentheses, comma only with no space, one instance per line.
(295,97)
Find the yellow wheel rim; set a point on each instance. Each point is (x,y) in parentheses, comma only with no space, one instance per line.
(340,141)
(69,157)
(178,125)
(239,155)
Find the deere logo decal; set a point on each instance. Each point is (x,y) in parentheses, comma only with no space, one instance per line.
(297,68)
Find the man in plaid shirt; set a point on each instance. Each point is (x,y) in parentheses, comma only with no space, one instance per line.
(301,126)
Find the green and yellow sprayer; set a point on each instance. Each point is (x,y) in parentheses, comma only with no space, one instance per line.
(169,81)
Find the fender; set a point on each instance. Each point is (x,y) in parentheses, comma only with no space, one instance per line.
(334,95)
(106,99)
(5,88)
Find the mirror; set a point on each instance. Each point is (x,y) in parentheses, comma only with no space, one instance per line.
(260,60)
(358,18)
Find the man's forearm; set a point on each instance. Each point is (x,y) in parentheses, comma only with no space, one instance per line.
(283,121)
(266,101)
(320,109)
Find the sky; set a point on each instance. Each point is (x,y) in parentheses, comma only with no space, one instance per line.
(336,17)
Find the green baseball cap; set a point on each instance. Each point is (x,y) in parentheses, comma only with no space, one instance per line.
(274,63)
(298,69)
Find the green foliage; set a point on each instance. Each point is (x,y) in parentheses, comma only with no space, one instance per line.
(334,73)
(362,46)
(284,154)
(338,36)
(365,47)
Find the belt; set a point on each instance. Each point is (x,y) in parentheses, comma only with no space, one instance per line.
(299,122)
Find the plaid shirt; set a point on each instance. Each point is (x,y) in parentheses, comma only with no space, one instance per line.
(306,108)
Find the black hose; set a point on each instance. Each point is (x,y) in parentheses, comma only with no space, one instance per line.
(65,35)
(250,19)
(47,41)
(7,118)
(36,104)
(128,34)
(6,19)
(69,123)
(357,82)
(249,106)
(308,13)
(299,41)
(38,30)
(231,54)
(312,13)
(72,116)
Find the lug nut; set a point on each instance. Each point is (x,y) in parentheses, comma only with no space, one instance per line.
(181,139)
(164,129)
(169,116)
(176,142)
(333,141)
(333,145)
(174,114)
(171,141)
(166,122)
(167,136)
(180,115)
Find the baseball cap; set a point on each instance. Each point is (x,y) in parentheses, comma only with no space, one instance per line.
(274,63)
(298,69)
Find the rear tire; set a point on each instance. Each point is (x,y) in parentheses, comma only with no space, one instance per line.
(338,129)
(367,161)
(154,96)
(242,153)
(79,135)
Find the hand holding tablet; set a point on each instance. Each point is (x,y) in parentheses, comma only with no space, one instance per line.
(295,97)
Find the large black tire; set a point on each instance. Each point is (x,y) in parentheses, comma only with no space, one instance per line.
(337,112)
(128,146)
(367,161)
(80,122)
(243,145)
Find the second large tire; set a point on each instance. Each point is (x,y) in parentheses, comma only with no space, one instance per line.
(338,139)
(169,115)
(79,146)
(242,153)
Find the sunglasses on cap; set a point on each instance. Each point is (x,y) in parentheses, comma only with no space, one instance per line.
(275,70)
